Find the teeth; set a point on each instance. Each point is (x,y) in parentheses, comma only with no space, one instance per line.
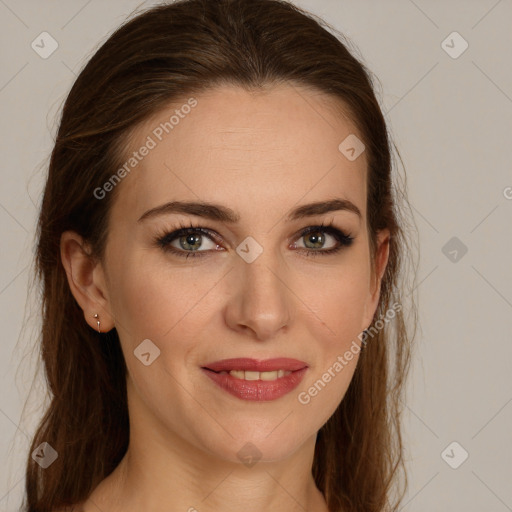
(250,375)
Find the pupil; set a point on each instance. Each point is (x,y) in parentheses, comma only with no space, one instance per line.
(317,240)
(191,240)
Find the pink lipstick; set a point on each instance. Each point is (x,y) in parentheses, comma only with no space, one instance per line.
(256,380)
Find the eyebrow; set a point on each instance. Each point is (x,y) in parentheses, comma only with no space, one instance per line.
(224,214)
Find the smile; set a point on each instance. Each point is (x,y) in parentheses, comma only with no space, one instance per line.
(256,386)
(250,375)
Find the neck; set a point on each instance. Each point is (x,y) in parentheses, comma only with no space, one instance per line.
(164,473)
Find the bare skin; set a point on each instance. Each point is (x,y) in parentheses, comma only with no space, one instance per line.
(261,154)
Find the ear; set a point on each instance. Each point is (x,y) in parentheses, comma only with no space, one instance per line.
(86,280)
(381,260)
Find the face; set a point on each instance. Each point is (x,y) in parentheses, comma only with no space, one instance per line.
(257,286)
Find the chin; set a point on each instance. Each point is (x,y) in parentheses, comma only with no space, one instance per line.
(249,448)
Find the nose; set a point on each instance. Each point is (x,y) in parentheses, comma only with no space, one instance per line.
(260,299)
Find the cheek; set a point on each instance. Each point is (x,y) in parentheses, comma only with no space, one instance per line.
(153,299)
(337,297)
(338,348)
(338,302)
(319,398)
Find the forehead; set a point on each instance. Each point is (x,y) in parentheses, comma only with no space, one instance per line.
(228,145)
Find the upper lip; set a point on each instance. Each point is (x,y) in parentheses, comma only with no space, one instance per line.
(256,365)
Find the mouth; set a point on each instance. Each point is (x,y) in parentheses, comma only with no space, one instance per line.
(250,375)
(252,366)
(257,380)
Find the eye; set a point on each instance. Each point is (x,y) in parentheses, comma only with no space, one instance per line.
(315,240)
(187,241)
(190,241)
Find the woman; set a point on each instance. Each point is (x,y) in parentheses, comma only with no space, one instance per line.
(220,248)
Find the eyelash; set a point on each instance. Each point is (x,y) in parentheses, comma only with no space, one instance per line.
(164,239)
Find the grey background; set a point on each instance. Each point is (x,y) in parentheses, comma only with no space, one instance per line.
(451,119)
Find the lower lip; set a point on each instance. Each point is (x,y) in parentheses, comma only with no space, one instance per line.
(257,390)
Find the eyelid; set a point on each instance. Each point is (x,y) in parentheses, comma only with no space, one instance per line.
(215,237)
(174,234)
(164,240)
(330,230)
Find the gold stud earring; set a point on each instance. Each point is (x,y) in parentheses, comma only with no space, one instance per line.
(96,316)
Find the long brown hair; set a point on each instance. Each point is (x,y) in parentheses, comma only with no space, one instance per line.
(162,54)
